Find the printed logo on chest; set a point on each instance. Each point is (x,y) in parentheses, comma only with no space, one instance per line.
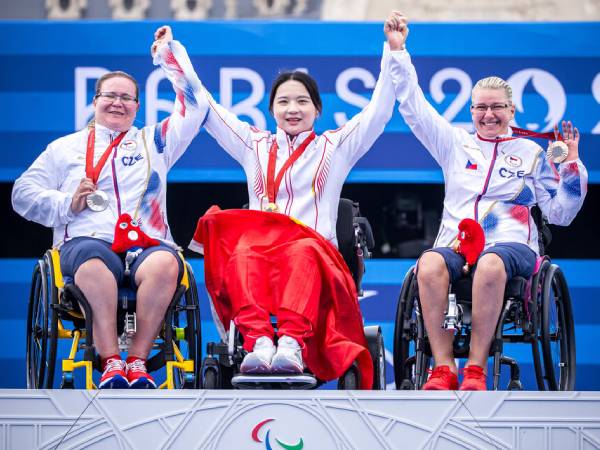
(471,167)
(513,160)
(512,171)
(129,161)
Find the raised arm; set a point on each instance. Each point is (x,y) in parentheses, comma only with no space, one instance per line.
(432,130)
(560,195)
(173,135)
(359,133)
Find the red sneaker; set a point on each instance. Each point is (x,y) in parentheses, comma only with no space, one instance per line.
(114,376)
(138,376)
(441,379)
(474,379)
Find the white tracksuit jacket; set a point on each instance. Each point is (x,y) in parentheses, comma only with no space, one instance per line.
(134,176)
(310,189)
(495,183)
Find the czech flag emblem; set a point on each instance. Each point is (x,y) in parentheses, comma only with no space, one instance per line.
(471,166)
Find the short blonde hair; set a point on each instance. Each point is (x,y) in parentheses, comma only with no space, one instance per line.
(494,83)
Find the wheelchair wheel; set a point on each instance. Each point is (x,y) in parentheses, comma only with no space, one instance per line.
(405,334)
(188,333)
(535,312)
(557,332)
(377,350)
(210,379)
(215,375)
(350,380)
(42,326)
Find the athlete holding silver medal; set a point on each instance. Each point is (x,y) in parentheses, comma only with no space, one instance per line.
(493,177)
(85,183)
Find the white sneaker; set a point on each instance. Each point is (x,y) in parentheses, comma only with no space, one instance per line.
(259,360)
(288,358)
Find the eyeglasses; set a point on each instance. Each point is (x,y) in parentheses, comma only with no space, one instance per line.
(113,96)
(496,107)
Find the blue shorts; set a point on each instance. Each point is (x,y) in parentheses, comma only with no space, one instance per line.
(81,249)
(518,259)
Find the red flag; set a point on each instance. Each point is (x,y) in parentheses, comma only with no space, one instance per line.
(269,260)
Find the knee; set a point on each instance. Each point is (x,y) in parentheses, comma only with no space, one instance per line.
(490,269)
(94,270)
(432,269)
(162,267)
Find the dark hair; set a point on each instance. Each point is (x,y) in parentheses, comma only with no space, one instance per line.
(117,74)
(309,83)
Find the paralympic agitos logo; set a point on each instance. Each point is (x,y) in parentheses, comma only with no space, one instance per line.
(267,441)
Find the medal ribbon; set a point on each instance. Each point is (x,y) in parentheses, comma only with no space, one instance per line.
(520,132)
(91,171)
(528,133)
(274,182)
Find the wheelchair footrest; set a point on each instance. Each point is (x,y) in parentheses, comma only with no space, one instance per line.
(303,381)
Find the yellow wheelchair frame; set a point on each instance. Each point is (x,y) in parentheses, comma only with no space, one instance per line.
(54,303)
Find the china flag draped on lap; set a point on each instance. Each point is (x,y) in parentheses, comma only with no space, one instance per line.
(285,264)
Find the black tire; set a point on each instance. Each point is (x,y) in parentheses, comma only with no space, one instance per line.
(37,330)
(403,332)
(535,312)
(41,339)
(210,374)
(53,312)
(350,381)
(377,351)
(188,318)
(558,332)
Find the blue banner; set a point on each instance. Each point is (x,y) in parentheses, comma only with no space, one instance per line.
(50,68)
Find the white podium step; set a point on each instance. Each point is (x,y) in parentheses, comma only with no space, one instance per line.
(290,420)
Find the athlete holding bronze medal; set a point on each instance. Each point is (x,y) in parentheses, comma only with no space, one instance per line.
(113,176)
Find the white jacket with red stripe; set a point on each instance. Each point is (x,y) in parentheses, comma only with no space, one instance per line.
(134,176)
(495,182)
(310,189)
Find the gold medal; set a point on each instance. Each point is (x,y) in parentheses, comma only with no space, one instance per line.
(271,207)
(557,152)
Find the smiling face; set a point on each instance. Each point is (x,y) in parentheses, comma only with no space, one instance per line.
(116,114)
(499,111)
(293,109)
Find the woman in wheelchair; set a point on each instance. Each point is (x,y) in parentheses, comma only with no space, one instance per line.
(86,182)
(314,329)
(495,177)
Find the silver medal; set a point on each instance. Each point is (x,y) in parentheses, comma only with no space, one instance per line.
(97,201)
(557,151)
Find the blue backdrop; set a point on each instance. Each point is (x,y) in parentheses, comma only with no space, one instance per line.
(50,68)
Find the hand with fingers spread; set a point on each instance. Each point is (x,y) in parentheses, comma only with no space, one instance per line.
(570,138)
(162,36)
(85,188)
(396,30)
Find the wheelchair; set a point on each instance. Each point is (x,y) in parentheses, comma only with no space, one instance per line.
(59,312)
(220,368)
(536,311)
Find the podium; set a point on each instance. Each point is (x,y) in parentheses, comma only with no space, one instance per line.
(295,420)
